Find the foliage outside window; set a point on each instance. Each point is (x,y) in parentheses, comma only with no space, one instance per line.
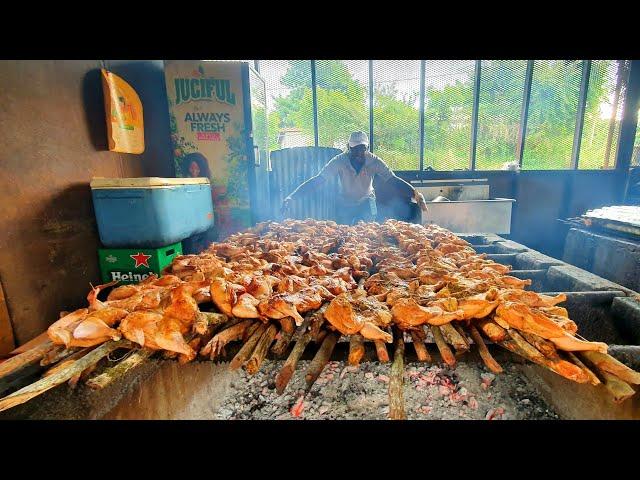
(343,106)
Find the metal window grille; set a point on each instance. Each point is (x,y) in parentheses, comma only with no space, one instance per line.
(447,113)
(635,157)
(553,106)
(500,105)
(289,102)
(603,113)
(343,100)
(555,101)
(396,112)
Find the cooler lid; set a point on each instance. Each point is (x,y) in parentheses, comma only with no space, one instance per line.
(144,182)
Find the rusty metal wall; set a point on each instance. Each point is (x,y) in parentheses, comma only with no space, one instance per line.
(292,166)
(53,141)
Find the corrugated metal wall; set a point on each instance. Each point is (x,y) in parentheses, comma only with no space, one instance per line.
(292,166)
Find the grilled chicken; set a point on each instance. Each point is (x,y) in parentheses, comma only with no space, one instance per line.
(351,314)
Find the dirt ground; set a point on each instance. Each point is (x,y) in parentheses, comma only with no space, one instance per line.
(431,391)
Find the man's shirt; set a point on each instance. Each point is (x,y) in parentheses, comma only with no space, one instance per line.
(355,187)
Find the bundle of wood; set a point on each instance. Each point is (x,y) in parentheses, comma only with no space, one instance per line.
(315,281)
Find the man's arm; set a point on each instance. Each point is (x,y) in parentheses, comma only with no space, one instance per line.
(311,185)
(404,188)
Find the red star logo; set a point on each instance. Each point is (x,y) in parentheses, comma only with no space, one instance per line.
(141,259)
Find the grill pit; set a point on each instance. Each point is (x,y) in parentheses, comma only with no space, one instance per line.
(160,389)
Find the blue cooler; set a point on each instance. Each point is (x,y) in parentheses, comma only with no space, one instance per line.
(150,211)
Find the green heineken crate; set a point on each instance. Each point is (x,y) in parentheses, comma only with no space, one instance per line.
(132,265)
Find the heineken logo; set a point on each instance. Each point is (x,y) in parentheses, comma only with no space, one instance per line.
(128,276)
(111,259)
(141,259)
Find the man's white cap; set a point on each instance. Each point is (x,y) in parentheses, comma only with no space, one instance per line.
(358,138)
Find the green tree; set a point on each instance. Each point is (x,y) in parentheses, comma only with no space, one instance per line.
(343,107)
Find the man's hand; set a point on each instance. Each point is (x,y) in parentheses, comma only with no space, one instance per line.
(285,205)
(420,200)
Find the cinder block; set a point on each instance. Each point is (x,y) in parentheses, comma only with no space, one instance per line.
(579,248)
(569,278)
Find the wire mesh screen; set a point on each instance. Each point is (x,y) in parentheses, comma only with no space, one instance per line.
(289,102)
(447,113)
(499,110)
(603,113)
(343,100)
(396,112)
(555,88)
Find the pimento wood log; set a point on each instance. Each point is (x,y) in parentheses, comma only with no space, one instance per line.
(37,388)
(381,351)
(443,348)
(452,337)
(282,343)
(417,338)
(356,349)
(23,360)
(111,374)
(253,364)
(57,354)
(321,358)
(247,349)
(486,356)
(520,346)
(286,372)
(606,363)
(619,389)
(593,378)
(396,394)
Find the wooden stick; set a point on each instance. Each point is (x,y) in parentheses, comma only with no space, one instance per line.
(34,342)
(593,378)
(492,330)
(356,349)
(381,351)
(206,320)
(282,343)
(317,320)
(321,358)
(287,324)
(606,363)
(545,347)
(68,361)
(247,349)
(254,362)
(462,333)
(452,337)
(73,382)
(520,346)
(286,372)
(111,374)
(619,389)
(216,344)
(418,337)
(396,394)
(486,356)
(30,391)
(56,354)
(321,335)
(443,348)
(25,359)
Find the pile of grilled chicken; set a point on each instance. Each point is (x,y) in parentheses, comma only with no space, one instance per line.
(369,280)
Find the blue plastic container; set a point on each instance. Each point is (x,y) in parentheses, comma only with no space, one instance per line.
(150,212)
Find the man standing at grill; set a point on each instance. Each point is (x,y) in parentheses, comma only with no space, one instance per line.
(356,169)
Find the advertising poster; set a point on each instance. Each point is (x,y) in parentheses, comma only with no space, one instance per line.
(125,128)
(208,135)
